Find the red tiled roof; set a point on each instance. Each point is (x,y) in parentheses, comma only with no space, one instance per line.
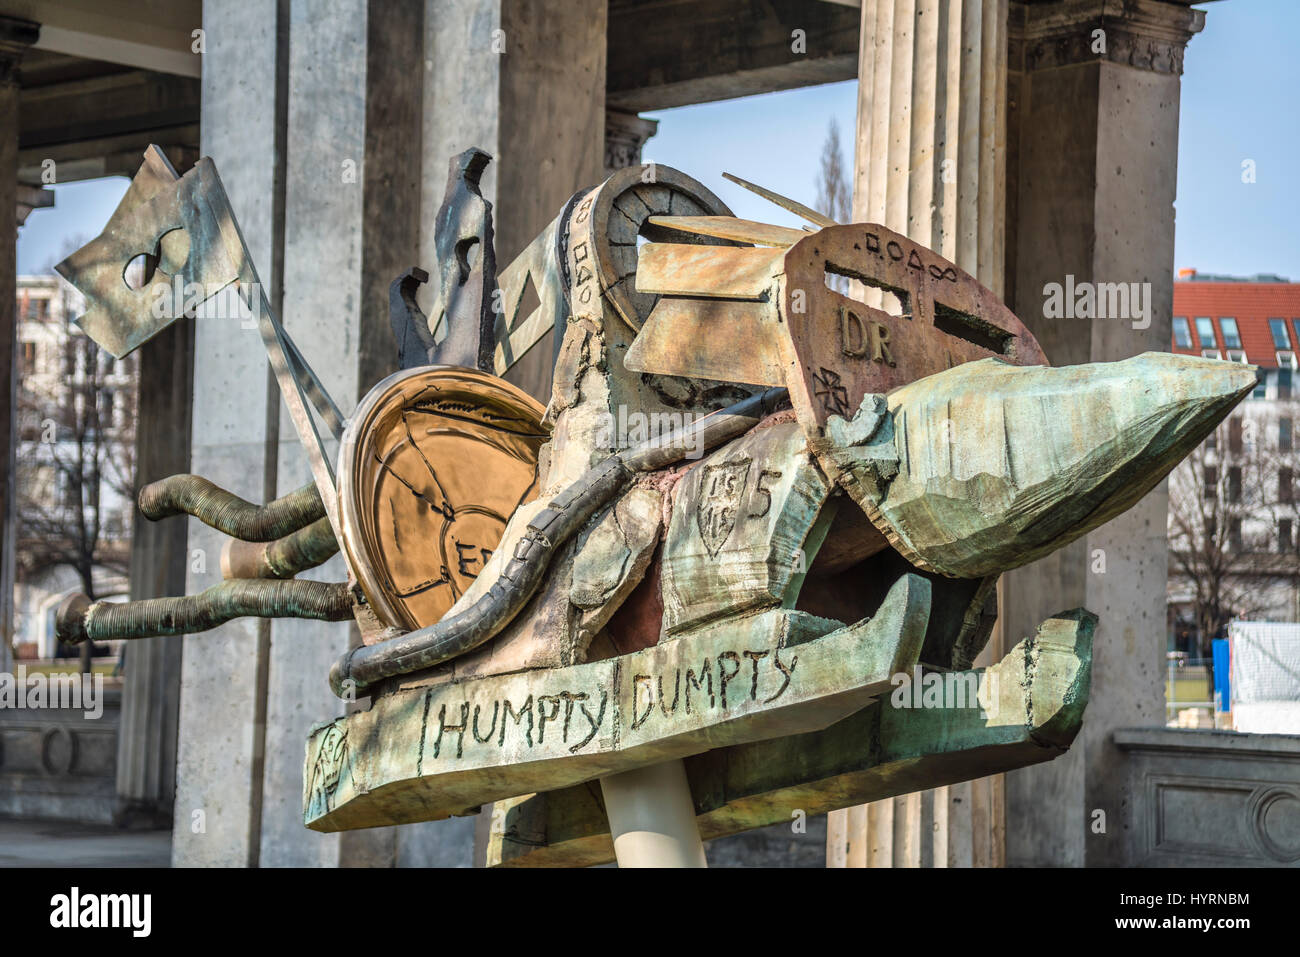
(1252,304)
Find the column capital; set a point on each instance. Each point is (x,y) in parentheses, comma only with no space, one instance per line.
(15,37)
(625,135)
(1146,34)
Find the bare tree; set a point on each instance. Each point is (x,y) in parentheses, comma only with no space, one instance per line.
(76,455)
(1225,503)
(834,192)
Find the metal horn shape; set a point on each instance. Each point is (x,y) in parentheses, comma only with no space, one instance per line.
(227,512)
(79,619)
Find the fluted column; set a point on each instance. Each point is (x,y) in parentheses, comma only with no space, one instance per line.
(1094,149)
(931,163)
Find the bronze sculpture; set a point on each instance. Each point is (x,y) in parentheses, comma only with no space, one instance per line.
(832,501)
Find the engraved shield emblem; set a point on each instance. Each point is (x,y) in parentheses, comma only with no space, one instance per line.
(720,493)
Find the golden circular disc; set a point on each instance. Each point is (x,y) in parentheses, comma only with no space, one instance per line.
(431,467)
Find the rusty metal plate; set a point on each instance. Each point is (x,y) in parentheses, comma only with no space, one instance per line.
(840,349)
(432,465)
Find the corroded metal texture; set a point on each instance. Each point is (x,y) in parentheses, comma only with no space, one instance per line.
(409,323)
(783,324)
(227,512)
(550,528)
(172,224)
(467,272)
(79,619)
(283,558)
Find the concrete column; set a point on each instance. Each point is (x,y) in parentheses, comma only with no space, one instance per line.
(524,80)
(15,37)
(352,214)
(146,738)
(218,806)
(336,175)
(1093,125)
(930,163)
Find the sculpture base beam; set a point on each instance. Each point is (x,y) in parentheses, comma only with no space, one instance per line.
(443,749)
(1027,709)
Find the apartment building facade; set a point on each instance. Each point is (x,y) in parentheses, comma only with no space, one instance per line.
(1234,513)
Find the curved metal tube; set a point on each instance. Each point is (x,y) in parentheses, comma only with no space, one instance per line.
(567,512)
(227,512)
(282,558)
(79,620)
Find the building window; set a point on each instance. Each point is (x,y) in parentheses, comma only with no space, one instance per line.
(1234,435)
(1284,383)
(1234,533)
(1285,489)
(1182,333)
(1210,477)
(1205,332)
(1231,337)
(1284,434)
(1261,387)
(1234,483)
(1280,338)
(29,359)
(1212,441)
(1284,544)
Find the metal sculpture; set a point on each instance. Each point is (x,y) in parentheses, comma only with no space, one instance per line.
(751,503)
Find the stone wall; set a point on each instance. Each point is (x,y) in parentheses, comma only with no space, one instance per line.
(60,764)
(1209,799)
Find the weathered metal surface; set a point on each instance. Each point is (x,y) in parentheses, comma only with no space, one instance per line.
(1024,710)
(463,320)
(227,512)
(729,227)
(742,272)
(419,520)
(79,619)
(840,349)
(514,575)
(989,466)
(744,528)
(171,223)
(410,326)
(285,557)
(606,229)
(429,753)
(541,267)
(682,336)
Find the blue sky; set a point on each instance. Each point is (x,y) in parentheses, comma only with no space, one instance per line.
(1240,93)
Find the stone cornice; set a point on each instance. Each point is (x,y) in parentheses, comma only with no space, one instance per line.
(15,37)
(1146,34)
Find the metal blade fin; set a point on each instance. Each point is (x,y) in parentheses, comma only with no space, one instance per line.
(729,227)
(785,202)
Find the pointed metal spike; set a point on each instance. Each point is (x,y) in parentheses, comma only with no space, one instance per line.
(785,202)
(998,465)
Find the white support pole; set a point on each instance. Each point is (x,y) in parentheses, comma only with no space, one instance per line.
(652,817)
